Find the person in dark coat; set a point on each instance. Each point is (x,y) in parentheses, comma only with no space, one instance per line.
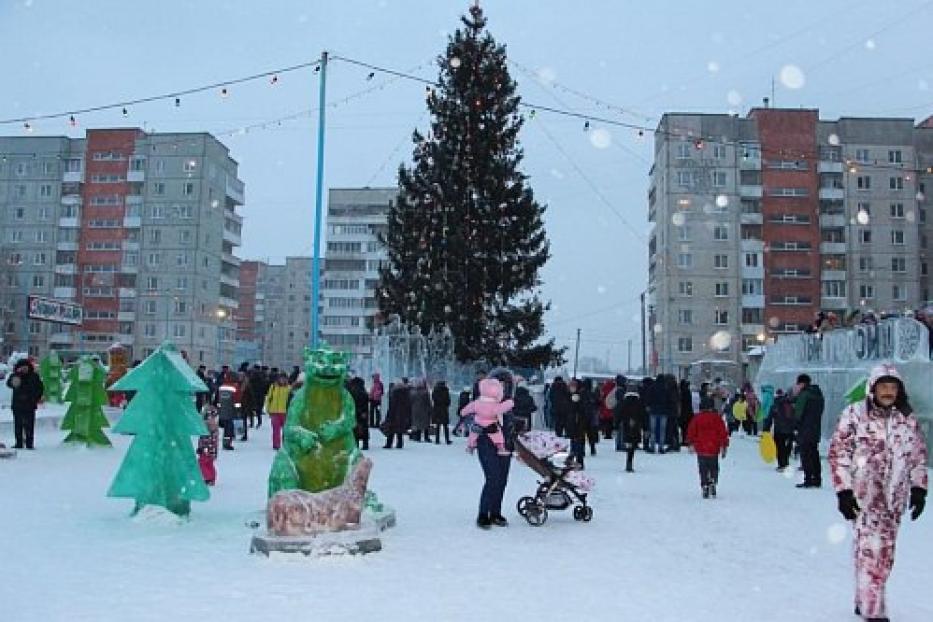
(590,397)
(524,407)
(644,392)
(560,405)
(630,418)
(659,410)
(495,466)
(576,426)
(440,414)
(672,429)
(357,389)
(808,411)
(781,419)
(398,418)
(420,412)
(203,397)
(686,409)
(464,398)
(27,391)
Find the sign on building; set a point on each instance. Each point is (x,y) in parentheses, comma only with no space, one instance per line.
(51,310)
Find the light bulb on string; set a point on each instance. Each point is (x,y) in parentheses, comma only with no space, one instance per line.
(586,126)
(372,74)
(178,102)
(72,121)
(224,92)
(27,126)
(275,79)
(125,112)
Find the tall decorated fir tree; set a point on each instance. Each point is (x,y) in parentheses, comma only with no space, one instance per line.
(159,467)
(465,240)
(86,398)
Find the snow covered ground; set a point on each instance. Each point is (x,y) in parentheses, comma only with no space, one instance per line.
(654,551)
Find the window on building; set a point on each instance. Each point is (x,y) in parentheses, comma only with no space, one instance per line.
(862,155)
(896,183)
(187,189)
(864,236)
(894,156)
(38,280)
(897,210)
(685,288)
(719,179)
(863,182)
(181,307)
(40,259)
(685,178)
(834,289)
(152,283)
(685,344)
(753,287)
(721,233)
(751,260)
(720,317)
(149,330)
(722,289)
(720,261)
(683,233)
(683,151)
(190,165)
(899,292)
(719,152)
(898,264)
(897,237)
(158,188)
(866,291)
(155,236)
(684,261)
(685,316)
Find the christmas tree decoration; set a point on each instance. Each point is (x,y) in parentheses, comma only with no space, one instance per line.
(160,467)
(86,398)
(466,231)
(50,370)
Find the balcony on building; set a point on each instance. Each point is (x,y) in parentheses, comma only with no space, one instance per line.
(753,301)
(130,245)
(71,199)
(229,280)
(832,220)
(134,199)
(835,303)
(753,272)
(68,223)
(126,316)
(132,222)
(129,269)
(228,303)
(66,246)
(750,192)
(833,275)
(751,218)
(73,177)
(752,246)
(829,166)
(64,292)
(231,259)
(832,194)
(833,248)
(136,176)
(66,268)
(61,339)
(232,237)
(750,161)
(127,292)
(234,189)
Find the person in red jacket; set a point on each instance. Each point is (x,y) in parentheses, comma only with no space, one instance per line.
(709,438)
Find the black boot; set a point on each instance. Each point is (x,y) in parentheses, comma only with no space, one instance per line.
(498,520)
(482,521)
(705,491)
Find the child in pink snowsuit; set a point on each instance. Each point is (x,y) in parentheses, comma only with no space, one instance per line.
(878,459)
(487,411)
(207,446)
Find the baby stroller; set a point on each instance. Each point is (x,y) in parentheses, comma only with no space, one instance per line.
(561,483)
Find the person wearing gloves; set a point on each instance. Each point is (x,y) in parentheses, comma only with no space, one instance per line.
(877,459)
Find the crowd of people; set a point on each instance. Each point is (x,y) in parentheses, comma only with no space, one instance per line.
(877,455)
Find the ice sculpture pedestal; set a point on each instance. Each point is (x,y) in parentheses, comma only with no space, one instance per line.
(360,541)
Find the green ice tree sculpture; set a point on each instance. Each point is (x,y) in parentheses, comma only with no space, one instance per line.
(86,396)
(159,467)
(50,369)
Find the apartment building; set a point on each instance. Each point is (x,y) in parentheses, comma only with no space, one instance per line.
(760,222)
(355,219)
(139,229)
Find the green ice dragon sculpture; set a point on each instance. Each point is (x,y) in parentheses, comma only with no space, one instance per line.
(319,448)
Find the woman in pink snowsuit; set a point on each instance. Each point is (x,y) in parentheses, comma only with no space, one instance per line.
(878,459)
(487,410)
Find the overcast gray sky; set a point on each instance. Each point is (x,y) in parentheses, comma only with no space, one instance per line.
(857,58)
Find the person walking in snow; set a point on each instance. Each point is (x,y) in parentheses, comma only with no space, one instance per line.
(276,406)
(420,411)
(398,416)
(709,438)
(357,389)
(576,423)
(877,460)
(207,445)
(808,411)
(440,412)
(27,391)
(781,420)
(560,405)
(629,421)
(375,402)
(525,406)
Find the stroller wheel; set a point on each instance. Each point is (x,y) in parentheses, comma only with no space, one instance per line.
(587,514)
(578,512)
(536,515)
(523,504)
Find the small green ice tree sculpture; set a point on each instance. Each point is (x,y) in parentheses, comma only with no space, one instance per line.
(50,370)
(160,467)
(86,396)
